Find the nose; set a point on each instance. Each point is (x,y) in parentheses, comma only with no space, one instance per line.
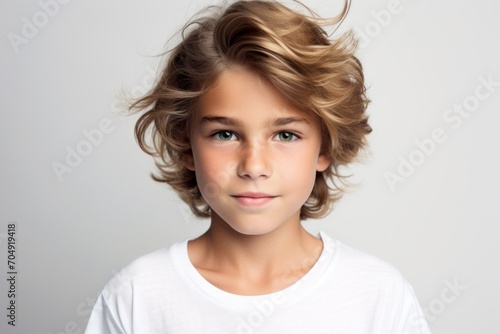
(254,161)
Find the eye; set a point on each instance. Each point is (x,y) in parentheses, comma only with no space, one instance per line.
(286,136)
(224,135)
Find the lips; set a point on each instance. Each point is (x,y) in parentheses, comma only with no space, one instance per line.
(254,199)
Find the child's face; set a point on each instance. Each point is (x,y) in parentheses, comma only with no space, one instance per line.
(255,156)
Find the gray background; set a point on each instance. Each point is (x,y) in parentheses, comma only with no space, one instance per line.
(439,226)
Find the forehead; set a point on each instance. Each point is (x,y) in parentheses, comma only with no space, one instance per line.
(241,93)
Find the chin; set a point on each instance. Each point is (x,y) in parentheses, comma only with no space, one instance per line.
(255,223)
(254,229)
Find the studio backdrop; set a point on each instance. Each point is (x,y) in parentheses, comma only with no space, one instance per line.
(77,202)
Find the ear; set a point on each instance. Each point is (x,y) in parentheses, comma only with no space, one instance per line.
(322,163)
(188,160)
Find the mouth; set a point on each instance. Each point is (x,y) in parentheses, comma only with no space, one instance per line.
(254,199)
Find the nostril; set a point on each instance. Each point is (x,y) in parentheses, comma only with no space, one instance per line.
(254,166)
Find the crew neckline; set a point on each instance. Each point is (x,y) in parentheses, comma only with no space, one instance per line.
(292,293)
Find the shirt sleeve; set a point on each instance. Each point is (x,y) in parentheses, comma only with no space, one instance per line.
(412,320)
(103,319)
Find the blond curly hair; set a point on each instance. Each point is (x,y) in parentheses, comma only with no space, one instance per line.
(318,75)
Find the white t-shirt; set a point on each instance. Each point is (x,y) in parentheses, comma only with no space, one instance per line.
(346,291)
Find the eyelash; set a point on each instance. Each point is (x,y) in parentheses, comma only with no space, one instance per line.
(215,135)
(219,132)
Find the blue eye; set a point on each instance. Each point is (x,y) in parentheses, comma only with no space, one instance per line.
(224,135)
(286,136)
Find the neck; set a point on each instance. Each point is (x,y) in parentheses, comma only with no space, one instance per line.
(284,254)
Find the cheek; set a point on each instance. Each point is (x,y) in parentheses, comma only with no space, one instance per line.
(213,169)
(299,171)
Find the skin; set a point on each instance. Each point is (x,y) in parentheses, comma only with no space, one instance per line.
(255,157)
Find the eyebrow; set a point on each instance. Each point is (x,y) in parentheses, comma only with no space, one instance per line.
(234,122)
(289,120)
(220,120)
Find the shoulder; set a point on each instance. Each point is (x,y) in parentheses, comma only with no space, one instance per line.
(146,270)
(366,284)
(365,262)
(137,294)
(355,262)
(356,270)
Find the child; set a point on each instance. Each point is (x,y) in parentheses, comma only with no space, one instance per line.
(254,114)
